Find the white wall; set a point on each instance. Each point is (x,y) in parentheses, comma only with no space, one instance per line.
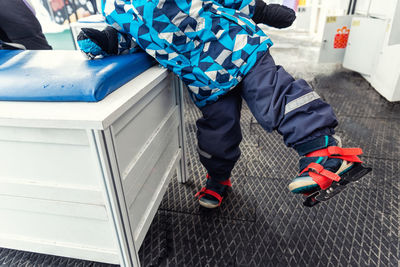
(376,8)
(329,8)
(313,19)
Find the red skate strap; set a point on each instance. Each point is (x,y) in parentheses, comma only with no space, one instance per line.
(319,169)
(204,191)
(320,175)
(226,182)
(348,154)
(321,180)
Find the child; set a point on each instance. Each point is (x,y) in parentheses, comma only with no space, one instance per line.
(220,53)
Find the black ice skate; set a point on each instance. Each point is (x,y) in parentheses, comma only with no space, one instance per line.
(326,169)
(354,174)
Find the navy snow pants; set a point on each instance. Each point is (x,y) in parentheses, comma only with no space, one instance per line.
(277,101)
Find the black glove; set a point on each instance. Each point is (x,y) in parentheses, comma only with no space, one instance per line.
(94,42)
(273,15)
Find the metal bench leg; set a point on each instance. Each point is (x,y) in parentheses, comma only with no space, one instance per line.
(182,170)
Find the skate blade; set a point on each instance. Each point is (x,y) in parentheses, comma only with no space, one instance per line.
(310,200)
(355,174)
(330,192)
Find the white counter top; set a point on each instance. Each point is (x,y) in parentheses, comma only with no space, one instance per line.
(81,115)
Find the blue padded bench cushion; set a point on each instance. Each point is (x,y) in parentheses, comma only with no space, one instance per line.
(65,75)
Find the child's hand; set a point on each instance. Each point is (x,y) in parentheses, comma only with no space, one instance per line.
(274,15)
(95,43)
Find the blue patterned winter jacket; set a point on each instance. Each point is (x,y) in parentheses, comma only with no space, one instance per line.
(210,45)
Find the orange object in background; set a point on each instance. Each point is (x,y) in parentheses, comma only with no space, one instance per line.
(302,3)
(341,38)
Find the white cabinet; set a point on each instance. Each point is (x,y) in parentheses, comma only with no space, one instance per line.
(371,53)
(394,38)
(373,47)
(84,180)
(365,44)
(336,32)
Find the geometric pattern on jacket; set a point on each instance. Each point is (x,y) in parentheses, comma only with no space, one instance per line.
(210,45)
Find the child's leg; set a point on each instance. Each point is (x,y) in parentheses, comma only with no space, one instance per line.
(279,102)
(306,122)
(219,136)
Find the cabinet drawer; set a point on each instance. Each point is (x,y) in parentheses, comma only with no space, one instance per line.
(165,138)
(142,207)
(136,127)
